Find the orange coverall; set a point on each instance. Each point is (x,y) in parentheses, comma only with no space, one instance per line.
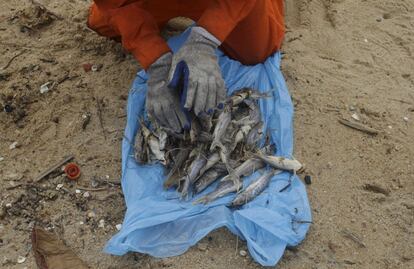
(250,30)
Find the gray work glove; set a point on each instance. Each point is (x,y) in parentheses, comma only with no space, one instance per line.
(163,103)
(196,62)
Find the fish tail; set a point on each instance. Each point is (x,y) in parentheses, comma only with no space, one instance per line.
(202,200)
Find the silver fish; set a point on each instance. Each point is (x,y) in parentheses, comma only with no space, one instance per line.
(193,173)
(178,163)
(254,112)
(223,122)
(254,135)
(246,168)
(195,130)
(209,177)
(140,146)
(225,157)
(280,162)
(253,190)
(162,138)
(222,189)
(156,153)
(211,161)
(239,96)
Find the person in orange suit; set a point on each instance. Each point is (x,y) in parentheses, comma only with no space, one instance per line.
(248,31)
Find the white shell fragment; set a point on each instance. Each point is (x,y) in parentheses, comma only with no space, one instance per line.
(45,87)
(243,253)
(101,223)
(86,194)
(405,119)
(13,145)
(118,227)
(21,259)
(356,117)
(59,186)
(77,191)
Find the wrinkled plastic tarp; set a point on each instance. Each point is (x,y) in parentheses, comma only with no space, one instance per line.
(158,223)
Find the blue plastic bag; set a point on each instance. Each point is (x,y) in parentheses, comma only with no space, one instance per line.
(158,223)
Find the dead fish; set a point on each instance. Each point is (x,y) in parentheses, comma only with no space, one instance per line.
(173,134)
(223,122)
(211,161)
(253,190)
(195,130)
(162,138)
(239,96)
(280,162)
(269,149)
(193,173)
(225,158)
(254,135)
(246,168)
(223,188)
(209,177)
(140,146)
(172,180)
(156,153)
(254,112)
(241,134)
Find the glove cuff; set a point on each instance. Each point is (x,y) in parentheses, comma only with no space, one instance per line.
(203,32)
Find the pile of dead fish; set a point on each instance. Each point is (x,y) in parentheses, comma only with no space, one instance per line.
(228,145)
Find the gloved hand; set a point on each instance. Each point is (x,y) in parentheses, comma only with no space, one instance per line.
(196,62)
(163,103)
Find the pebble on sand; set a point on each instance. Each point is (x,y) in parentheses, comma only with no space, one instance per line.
(202,246)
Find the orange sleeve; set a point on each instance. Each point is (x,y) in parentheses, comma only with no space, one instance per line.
(138,30)
(224,15)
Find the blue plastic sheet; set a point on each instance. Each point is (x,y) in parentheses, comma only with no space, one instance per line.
(158,223)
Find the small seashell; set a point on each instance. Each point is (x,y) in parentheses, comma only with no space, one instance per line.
(21,259)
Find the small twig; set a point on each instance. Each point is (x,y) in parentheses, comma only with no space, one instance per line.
(353,237)
(93,189)
(54,167)
(12,58)
(401,101)
(15,186)
(358,126)
(99,110)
